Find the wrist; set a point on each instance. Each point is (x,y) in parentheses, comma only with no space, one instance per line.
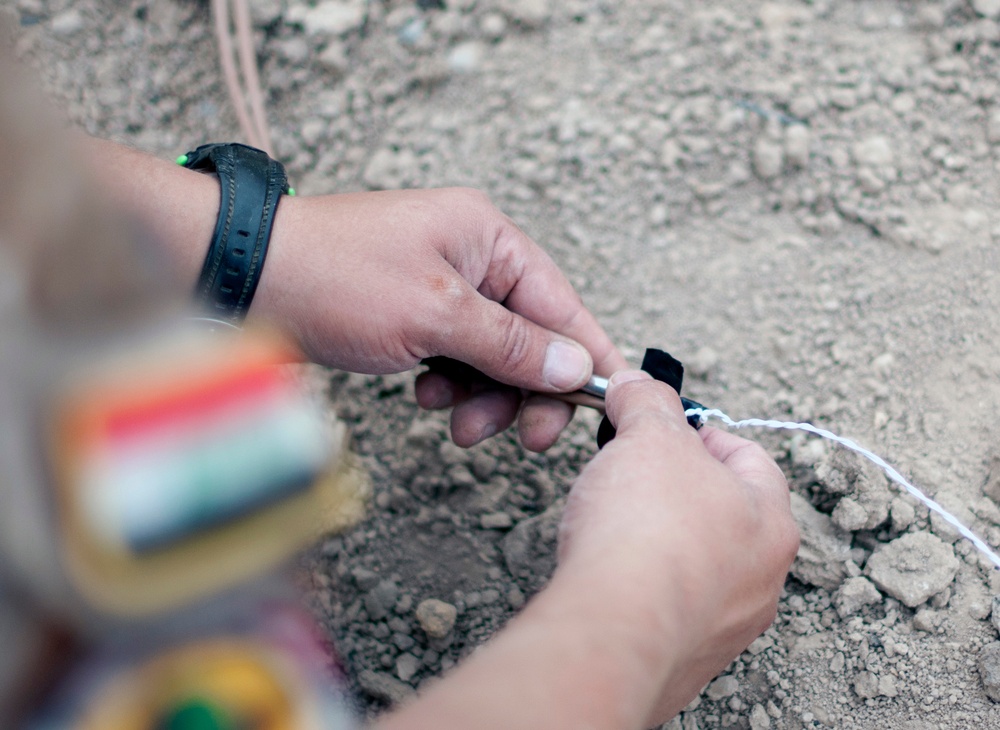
(279,293)
(634,603)
(251,183)
(621,641)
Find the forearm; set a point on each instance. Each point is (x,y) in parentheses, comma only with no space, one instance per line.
(375,282)
(177,206)
(577,657)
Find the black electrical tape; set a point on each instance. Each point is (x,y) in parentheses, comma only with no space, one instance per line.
(666,369)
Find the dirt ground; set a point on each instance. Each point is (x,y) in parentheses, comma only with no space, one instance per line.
(797,199)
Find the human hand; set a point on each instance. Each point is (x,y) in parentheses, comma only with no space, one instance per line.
(690,534)
(376,282)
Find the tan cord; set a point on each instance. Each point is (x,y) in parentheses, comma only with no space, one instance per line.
(254,128)
(248,60)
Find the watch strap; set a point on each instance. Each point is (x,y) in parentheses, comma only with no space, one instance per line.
(251,184)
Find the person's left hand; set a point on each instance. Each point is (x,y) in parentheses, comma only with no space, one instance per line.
(377,282)
(689,531)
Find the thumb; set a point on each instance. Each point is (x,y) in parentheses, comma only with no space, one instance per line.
(514,350)
(635,400)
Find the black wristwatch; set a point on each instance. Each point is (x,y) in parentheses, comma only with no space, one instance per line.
(251,184)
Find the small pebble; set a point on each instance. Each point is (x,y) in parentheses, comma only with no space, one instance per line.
(493,26)
(436,617)
(987,8)
(866,685)
(515,598)
(406,666)
(854,594)
(797,145)
(723,687)
(380,600)
(364,578)
(496,521)
(466,58)
(849,515)
(768,158)
(383,687)
(67,23)
(759,719)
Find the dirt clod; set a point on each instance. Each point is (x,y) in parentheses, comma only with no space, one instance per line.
(823,550)
(854,594)
(989,669)
(913,568)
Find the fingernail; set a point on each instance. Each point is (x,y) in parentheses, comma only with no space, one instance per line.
(442,398)
(489,429)
(566,365)
(626,376)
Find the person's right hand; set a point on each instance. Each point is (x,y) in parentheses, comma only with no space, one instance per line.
(376,282)
(690,535)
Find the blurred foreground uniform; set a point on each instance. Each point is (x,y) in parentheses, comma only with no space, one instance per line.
(155,477)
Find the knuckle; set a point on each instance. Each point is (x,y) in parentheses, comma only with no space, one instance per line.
(437,319)
(470,197)
(452,294)
(788,544)
(515,341)
(649,404)
(757,452)
(768,471)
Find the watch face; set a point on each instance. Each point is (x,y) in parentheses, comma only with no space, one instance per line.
(210,324)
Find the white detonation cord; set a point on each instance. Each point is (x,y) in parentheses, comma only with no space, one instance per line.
(706,413)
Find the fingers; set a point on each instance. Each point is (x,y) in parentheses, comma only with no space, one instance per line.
(505,309)
(638,404)
(483,415)
(750,463)
(435,391)
(529,283)
(542,420)
(482,407)
(512,349)
(520,321)
(755,469)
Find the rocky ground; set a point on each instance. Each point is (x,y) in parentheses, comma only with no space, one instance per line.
(797,199)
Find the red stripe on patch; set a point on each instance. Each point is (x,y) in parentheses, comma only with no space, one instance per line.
(191,401)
